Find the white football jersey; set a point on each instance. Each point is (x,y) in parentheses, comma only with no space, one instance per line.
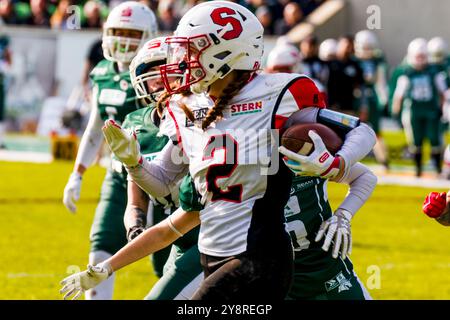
(231,162)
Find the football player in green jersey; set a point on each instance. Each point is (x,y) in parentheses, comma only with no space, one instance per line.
(126,29)
(440,60)
(418,95)
(374,96)
(182,271)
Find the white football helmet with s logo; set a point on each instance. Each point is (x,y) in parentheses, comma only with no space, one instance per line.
(129,15)
(212,39)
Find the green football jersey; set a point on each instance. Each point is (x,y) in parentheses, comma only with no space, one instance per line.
(443,67)
(146,132)
(422,94)
(116,96)
(370,70)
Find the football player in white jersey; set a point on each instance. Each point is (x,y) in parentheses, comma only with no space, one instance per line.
(245,249)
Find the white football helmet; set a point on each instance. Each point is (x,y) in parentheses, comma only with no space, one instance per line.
(328,49)
(366,44)
(417,53)
(152,54)
(284,57)
(212,39)
(130,15)
(437,50)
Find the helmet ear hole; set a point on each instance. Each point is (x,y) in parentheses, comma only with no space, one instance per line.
(211,66)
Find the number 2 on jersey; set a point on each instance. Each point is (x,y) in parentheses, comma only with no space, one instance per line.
(223,170)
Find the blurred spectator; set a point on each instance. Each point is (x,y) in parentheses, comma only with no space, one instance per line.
(265,17)
(349,77)
(292,15)
(93,15)
(40,15)
(167,18)
(311,64)
(184,6)
(94,56)
(7,13)
(418,97)
(59,18)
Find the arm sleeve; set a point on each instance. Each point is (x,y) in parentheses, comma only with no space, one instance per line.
(92,136)
(401,87)
(362,182)
(357,144)
(159,176)
(441,82)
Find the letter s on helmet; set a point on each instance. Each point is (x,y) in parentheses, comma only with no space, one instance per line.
(212,39)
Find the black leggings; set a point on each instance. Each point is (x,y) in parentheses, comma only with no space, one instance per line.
(247,276)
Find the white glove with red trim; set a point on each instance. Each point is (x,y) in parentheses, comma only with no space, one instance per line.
(122,143)
(319,163)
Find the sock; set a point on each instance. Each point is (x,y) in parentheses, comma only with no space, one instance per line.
(104,291)
(437,159)
(418,162)
(380,152)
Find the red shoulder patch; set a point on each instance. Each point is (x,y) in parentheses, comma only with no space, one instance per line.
(306,94)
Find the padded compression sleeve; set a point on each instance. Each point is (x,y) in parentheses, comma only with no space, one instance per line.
(160,175)
(357,144)
(362,182)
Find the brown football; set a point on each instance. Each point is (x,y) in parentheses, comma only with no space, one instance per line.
(296,138)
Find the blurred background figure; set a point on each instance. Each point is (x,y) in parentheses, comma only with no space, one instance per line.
(439,59)
(327,54)
(265,17)
(59,18)
(167,17)
(328,50)
(283,58)
(418,97)
(92,12)
(292,15)
(7,13)
(311,64)
(374,97)
(5,63)
(40,15)
(347,80)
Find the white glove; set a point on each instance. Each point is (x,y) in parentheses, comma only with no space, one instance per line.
(72,191)
(85,280)
(337,229)
(122,143)
(319,163)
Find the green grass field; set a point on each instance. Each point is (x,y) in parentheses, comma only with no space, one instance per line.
(40,241)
